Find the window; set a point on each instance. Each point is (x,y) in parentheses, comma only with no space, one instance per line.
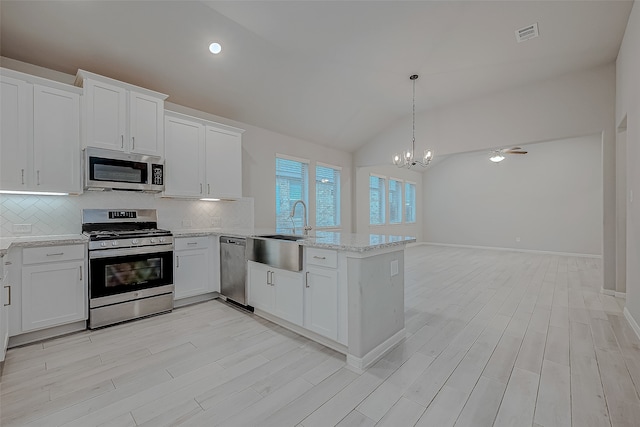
(327,196)
(377,195)
(292,184)
(395,201)
(410,202)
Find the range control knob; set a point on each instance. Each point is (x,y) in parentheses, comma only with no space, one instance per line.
(152,240)
(103,244)
(162,239)
(114,243)
(134,241)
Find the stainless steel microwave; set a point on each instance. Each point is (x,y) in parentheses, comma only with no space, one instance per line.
(113,170)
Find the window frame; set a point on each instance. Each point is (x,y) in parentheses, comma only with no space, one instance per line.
(304,189)
(338,196)
(415,202)
(383,199)
(401,203)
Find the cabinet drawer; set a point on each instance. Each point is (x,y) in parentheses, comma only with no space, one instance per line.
(53,254)
(185,243)
(322,257)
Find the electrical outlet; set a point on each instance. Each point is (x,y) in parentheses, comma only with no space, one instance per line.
(21,228)
(394,267)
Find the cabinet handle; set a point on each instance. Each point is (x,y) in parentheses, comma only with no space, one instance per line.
(22,176)
(208,188)
(133,142)
(200,188)
(8,286)
(80,273)
(38,177)
(177,261)
(121,141)
(306,279)
(56,254)
(319,257)
(192,243)
(268,283)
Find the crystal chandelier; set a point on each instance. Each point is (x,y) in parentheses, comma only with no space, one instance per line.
(407,159)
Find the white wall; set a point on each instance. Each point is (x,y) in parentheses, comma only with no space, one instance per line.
(549,199)
(628,106)
(259,147)
(362,201)
(567,106)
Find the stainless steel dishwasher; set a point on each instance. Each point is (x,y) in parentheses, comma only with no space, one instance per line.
(233,269)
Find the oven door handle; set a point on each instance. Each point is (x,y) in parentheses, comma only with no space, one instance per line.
(112,253)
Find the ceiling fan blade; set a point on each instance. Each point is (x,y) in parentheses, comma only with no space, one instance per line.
(516,152)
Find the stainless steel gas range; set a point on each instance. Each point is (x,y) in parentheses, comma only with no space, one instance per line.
(130,265)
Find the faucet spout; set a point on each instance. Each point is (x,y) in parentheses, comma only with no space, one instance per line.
(304,216)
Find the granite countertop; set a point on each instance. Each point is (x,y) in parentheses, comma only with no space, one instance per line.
(34,241)
(350,242)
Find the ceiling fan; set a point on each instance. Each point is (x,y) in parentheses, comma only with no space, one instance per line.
(499,155)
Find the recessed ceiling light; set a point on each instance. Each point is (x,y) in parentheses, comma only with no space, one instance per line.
(215,48)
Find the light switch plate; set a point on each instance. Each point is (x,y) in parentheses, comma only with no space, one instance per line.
(21,228)
(394,267)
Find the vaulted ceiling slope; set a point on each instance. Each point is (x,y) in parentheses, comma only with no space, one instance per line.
(331,72)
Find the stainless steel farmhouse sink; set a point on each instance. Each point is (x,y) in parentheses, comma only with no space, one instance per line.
(276,250)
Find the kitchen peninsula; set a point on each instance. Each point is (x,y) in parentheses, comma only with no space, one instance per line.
(349,295)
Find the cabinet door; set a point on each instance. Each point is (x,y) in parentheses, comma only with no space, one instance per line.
(146,134)
(184,157)
(56,140)
(15,122)
(191,275)
(105,115)
(224,163)
(53,294)
(260,288)
(288,288)
(4,310)
(321,302)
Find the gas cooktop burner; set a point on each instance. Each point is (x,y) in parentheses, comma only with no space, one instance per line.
(115,234)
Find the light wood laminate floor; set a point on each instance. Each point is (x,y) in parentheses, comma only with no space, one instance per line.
(493,338)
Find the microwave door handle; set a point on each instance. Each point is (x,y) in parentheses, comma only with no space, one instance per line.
(133,142)
(121,141)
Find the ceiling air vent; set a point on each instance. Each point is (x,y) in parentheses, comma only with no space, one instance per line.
(526,33)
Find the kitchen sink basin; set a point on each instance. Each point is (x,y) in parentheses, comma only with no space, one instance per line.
(287,237)
(276,250)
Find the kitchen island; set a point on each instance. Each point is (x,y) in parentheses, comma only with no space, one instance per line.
(349,295)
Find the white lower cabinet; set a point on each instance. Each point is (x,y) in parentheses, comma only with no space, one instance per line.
(275,291)
(321,301)
(53,286)
(4,309)
(193,267)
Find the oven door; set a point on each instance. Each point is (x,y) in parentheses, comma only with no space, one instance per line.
(117,271)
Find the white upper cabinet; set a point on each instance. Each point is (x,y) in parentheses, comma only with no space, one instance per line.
(56,140)
(40,146)
(184,157)
(16,129)
(202,159)
(224,163)
(122,117)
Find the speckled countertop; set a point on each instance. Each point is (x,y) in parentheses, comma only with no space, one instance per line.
(350,242)
(33,241)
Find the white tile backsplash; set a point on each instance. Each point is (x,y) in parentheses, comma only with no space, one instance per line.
(50,215)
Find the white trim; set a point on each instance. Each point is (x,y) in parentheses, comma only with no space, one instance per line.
(410,182)
(295,159)
(327,165)
(378,176)
(532,251)
(632,322)
(622,295)
(608,292)
(362,363)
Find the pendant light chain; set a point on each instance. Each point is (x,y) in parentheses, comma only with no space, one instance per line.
(408,159)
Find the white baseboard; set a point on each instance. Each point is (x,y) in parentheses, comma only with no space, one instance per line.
(531,251)
(613,293)
(359,364)
(632,322)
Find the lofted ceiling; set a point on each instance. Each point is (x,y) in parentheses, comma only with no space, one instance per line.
(331,72)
